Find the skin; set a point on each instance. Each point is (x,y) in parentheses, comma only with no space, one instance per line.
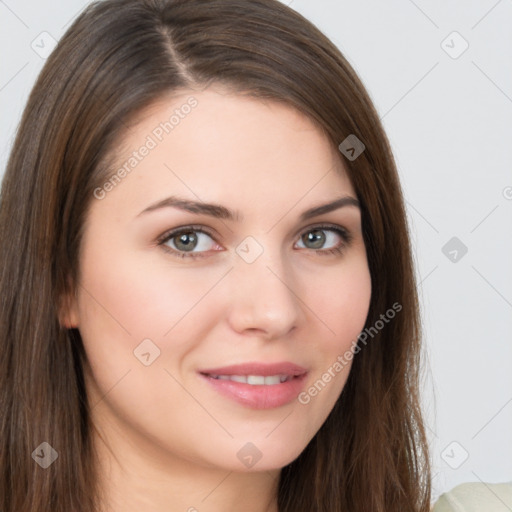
(165,439)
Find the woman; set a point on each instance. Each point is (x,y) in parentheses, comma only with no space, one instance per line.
(208,294)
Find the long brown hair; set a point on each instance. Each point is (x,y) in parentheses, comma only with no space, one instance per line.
(118,57)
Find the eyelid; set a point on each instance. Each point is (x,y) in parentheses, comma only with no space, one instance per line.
(344,232)
(183,229)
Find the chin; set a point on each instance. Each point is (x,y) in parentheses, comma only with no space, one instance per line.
(254,457)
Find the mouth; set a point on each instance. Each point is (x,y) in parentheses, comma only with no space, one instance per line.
(255,380)
(257,385)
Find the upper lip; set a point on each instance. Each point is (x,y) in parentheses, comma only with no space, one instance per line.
(255,368)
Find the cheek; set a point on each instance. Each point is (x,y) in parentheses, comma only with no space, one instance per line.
(341,306)
(126,298)
(125,295)
(341,301)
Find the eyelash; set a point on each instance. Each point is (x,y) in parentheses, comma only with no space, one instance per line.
(342,232)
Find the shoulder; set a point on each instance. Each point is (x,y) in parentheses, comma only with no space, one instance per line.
(476,497)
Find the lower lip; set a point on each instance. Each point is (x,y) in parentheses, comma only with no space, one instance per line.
(259,396)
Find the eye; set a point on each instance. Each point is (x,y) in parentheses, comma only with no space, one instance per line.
(335,237)
(187,242)
(196,242)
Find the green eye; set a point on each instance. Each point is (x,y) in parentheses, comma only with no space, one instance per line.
(196,242)
(317,237)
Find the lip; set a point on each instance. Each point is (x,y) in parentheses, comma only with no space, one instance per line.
(254,368)
(258,396)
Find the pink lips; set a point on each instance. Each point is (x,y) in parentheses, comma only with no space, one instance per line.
(258,396)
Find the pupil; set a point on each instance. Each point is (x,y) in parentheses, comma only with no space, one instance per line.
(316,237)
(187,241)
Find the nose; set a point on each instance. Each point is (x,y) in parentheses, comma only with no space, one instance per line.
(263,299)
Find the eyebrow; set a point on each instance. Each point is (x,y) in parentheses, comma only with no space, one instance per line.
(221,212)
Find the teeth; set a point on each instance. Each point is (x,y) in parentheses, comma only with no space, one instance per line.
(255,380)
(259,380)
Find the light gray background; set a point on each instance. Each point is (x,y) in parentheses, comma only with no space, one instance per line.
(450,125)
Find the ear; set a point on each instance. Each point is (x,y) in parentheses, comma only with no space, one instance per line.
(68,311)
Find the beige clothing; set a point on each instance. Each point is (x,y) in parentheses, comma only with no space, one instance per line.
(476,497)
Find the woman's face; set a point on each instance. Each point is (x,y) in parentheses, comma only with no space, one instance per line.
(173,291)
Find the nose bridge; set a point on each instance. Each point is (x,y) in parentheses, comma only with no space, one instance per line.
(263,297)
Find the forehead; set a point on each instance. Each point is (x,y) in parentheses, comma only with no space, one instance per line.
(218,145)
